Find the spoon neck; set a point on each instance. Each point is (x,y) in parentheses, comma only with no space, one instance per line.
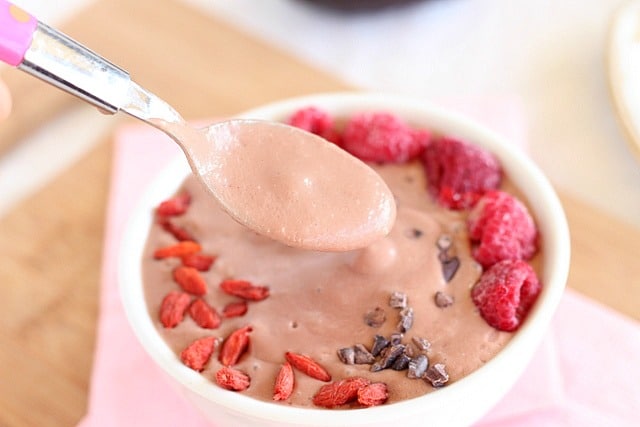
(148,107)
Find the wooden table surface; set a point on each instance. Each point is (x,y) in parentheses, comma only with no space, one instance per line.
(51,244)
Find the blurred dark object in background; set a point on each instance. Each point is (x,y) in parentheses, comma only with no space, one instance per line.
(359,5)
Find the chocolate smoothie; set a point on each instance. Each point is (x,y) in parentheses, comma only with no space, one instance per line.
(321,302)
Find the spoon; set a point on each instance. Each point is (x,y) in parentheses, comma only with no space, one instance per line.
(280,181)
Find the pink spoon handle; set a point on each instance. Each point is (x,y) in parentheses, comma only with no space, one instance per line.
(55,58)
(16,32)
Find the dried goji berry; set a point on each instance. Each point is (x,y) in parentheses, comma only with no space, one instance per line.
(179,250)
(234,346)
(198,353)
(327,396)
(204,315)
(349,387)
(176,231)
(235,309)
(232,379)
(307,365)
(176,205)
(244,289)
(373,394)
(339,392)
(172,308)
(283,386)
(190,280)
(200,262)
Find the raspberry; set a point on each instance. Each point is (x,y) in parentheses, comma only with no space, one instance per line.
(383,137)
(501,228)
(505,293)
(459,173)
(316,121)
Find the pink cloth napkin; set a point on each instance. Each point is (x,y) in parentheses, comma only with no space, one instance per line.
(584,373)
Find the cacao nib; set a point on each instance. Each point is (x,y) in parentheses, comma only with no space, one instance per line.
(379,344)
(421,343)
(418,366)
(388,357)
(401,363)
(398,300)
(414,233)
(375,318)
(396,338)
(347,355)
(406,319)
(443,300)
(450,268)
(362,356)
(410,351)
(444,242)
(436,375)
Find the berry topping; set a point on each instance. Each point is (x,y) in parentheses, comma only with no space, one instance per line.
(190,280)
(232,379)
(383,137)
(459,173)
(177,205)
(316,121)
(198,353)
(179,249)
(373,394)
(244,289)
(307,365)
(501,228)
(505,293)
(200,262)
(339,392)
(204,315)
(178,232)
(234,346)
(172,308)
(283,386)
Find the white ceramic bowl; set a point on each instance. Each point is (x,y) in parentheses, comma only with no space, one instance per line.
(459,403)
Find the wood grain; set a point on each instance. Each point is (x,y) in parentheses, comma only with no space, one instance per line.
(202,67)
(604,257)
(51,244)
(51,248)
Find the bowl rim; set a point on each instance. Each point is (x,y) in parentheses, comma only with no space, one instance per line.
(546,207)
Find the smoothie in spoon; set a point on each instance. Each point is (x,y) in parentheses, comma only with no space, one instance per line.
(288,184)
(279,181)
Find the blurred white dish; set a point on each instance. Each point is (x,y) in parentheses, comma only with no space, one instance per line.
(624,69)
